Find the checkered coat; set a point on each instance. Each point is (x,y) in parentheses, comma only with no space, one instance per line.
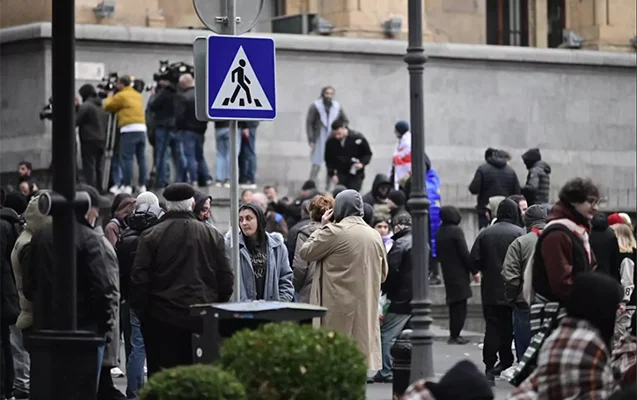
(573,364)
(624,360)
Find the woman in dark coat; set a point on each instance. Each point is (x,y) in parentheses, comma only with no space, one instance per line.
(453,255)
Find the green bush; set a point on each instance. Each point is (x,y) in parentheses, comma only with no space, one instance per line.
(293,362)
(193,382)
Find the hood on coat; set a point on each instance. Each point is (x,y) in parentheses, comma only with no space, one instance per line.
(450,215)
(599,222)
(535,217)
(497,161)
(34,219)
(262,221)
(368,214)
(348,203)
(144,216)
(494,202)
(338,189)
(544,166)
(508,211)
(563,210)
(9,215)
(531,156)
(125,208)
(379,181)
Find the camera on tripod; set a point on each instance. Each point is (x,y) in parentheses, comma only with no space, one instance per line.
(172,72)
(109,84)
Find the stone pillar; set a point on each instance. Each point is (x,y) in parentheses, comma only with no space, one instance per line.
(601,12)
(539,31)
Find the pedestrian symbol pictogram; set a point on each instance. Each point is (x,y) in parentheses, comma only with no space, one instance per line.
(241,78)
(241,89)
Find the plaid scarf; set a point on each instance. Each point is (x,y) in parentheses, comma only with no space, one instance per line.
(544,317)
(573,364)
(624,360)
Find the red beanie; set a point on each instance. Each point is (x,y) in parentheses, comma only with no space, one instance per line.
(615,219)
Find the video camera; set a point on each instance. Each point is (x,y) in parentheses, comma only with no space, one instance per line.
(47,110)
(109,84)
(172,72)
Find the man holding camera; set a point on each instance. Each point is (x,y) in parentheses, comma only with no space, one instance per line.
(163,107)
(128,104)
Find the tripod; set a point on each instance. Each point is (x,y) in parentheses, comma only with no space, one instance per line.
(111,131)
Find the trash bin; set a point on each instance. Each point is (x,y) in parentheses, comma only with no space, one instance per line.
(221,321)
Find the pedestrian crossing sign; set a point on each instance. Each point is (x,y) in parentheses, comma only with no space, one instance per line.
(241,78)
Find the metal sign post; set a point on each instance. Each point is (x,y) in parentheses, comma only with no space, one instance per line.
(227,87)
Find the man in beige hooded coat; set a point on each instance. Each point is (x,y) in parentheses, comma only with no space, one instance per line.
(351,265)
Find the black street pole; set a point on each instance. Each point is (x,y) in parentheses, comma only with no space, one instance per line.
(421,337)
(64,160)
(64,361)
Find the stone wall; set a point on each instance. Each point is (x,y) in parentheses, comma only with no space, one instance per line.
(578,107)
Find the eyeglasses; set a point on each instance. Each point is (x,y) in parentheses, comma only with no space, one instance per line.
(594,201)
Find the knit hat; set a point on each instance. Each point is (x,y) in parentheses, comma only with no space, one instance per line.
(402,219)
(148,198)
(397,197)
(402,127)
(534,215)
(615,219)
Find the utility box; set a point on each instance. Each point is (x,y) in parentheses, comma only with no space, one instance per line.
(221,321)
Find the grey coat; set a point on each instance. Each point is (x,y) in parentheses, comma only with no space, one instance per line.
(111,351)
(278,285)
(303,270)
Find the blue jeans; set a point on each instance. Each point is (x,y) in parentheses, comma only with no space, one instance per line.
(196,163)
(248,158)
(21,360)
(521,330)
(135,364)
(222,165)
(116,170)
(390,328)
(131,145)
(163,139)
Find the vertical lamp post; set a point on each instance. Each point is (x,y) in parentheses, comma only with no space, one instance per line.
(421,337)
(64,361)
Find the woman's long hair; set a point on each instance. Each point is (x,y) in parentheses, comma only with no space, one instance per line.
(319,205)
(625,238)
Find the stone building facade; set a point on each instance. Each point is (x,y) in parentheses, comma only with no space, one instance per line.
(601,24)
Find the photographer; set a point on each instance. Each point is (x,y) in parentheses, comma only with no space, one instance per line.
(163,107)
(91,121)
(192,132)
(128,104)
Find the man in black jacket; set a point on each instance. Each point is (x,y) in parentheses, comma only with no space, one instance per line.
(192,132)
(538,182)
(347,152)
(493,178)
(144,216)
(487,256)
(163,107)
(179,262)
(97,286)
(91,120)
(10,228)
(398,288)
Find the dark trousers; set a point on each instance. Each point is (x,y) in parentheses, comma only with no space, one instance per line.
(457,317)
(167,346)
(6,362)
(483,219)
(350,181)
(92,164)
(498,336)
(521,328)
(248,158)
(125,327)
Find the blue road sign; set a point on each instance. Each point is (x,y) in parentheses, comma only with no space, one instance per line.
(241,78)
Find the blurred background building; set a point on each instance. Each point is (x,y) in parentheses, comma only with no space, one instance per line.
(589,24)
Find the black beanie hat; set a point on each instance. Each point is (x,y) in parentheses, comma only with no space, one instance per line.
(397,197)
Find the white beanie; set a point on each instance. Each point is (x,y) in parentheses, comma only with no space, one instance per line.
(148,198)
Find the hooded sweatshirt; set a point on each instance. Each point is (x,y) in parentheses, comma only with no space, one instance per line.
(605,246)
(258,249)
(494,178)
(34,222)
(538,183)
(374,196)
(348,203)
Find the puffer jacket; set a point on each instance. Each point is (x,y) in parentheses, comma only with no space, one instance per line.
(128,104)
(34,221)
(538,183)
(494,178)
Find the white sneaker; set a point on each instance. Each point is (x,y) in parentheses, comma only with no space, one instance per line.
(218,184)
(114,189)
(226,185)
(127,189)
(141,189)
(117,373)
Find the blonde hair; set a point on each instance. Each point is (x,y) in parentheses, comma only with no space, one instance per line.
(625,238)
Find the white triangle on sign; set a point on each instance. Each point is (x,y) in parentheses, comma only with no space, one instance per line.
(232,96)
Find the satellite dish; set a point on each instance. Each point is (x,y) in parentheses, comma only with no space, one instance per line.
(214,16)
